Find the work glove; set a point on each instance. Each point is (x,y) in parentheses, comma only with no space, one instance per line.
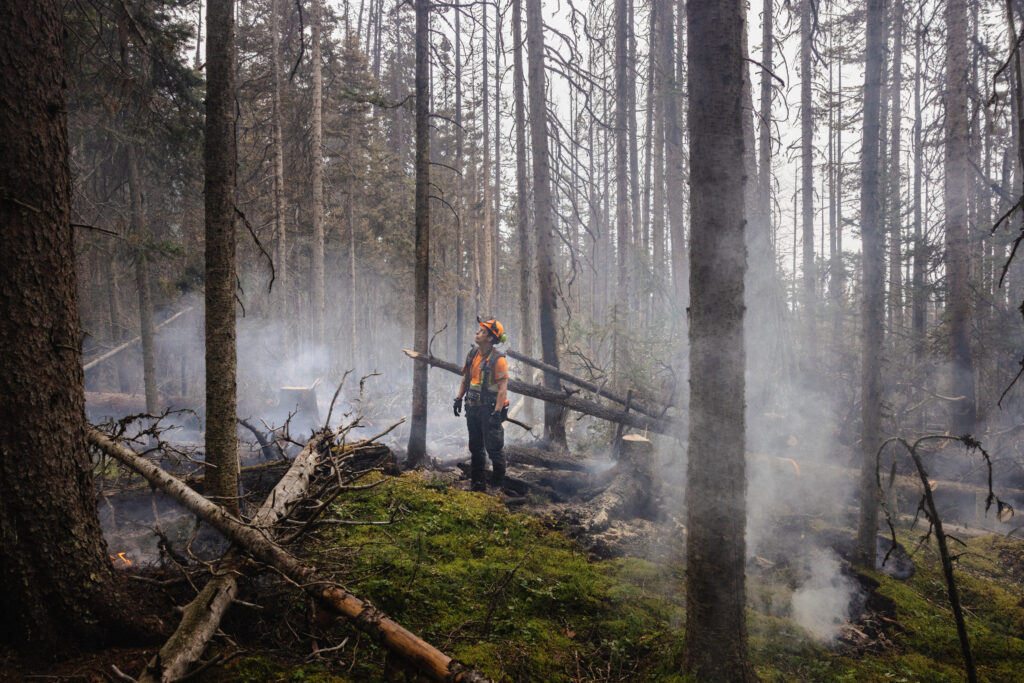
(457,406)
(498,416)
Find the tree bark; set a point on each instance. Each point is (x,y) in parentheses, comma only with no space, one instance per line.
(554,428)
(716,633)
(872,273)
(674,162)
(417,448)
(807,161)
(317,144)
(460,203)
(918,295)
(219,157)
(526,311)
(56,583)
(140,231)
(894,201)
(957,179)
(280,229)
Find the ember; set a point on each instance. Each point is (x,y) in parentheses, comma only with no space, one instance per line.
(121,560)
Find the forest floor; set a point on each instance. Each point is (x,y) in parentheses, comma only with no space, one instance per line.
(513,595)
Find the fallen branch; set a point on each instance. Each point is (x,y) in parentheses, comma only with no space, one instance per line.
(390,634)
(598,390)
(927,504)
(580,405)
(201,618)
(118,349)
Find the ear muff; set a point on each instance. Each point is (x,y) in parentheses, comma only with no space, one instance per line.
(504,338)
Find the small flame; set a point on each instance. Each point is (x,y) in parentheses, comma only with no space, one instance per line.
(122,557)
(793,462)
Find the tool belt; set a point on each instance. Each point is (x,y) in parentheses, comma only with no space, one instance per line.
(476,398)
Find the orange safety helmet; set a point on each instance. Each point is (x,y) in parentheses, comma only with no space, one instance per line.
(495,328)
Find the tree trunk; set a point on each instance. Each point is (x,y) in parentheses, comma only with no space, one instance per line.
(460,199)
(662,68)
(623,233)
(957,179)
(219,157)
(544,219)
(674,161)
(487,226)
(872,305)
(523,225)
(716,633)
(56,583)
(316,142)
(280,232)
(918,295)
(807,162)
(894,204)
(418,427)
(140,231)
(496,258)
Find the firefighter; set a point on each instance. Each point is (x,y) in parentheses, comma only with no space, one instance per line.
(485,390)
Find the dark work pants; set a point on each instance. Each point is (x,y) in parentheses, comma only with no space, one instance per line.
(485,435)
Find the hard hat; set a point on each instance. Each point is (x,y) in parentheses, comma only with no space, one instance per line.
(495,328)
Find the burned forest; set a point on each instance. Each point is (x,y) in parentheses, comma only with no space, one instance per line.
(512,340)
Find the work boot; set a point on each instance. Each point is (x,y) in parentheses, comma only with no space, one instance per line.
(498,478)
(478,484)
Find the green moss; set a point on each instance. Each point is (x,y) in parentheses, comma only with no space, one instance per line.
(506,594)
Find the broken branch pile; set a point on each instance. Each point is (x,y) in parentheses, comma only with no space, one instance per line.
(256,542)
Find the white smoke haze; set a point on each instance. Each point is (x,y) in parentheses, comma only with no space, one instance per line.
(821,603)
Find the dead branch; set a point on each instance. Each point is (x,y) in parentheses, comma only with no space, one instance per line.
(640,421)
(418,653)
(116,350)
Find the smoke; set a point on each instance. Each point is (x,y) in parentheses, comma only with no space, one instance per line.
(821,604)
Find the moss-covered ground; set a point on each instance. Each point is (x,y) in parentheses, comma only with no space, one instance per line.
(511,595)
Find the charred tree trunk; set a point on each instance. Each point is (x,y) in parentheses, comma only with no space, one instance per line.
(487,228)
(716,633)
(544,219)
(219,156)
(56,583)
(872,273)
(460,199)
(418,426)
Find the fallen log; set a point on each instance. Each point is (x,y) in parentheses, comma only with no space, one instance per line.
(630,493)
(598,390)
(580,405)
(118,349)
(201,618)
(538,457)
(390,634)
